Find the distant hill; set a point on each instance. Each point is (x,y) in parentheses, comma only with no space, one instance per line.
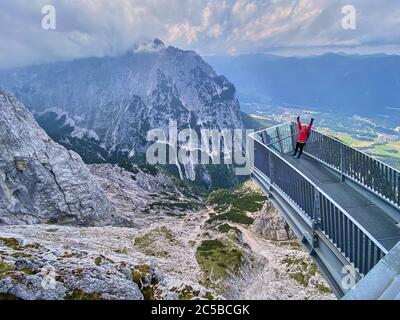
(368,84)
(251,123)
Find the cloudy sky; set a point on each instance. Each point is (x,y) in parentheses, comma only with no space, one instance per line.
(104,27)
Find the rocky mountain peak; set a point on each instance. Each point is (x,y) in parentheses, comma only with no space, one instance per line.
(114,101)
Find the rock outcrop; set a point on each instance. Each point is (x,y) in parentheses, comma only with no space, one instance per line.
(270,225)
(40,181)
(141,198)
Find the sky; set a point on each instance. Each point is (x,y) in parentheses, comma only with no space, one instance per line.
(86,28)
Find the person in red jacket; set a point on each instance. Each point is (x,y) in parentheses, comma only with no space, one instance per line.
(304,133)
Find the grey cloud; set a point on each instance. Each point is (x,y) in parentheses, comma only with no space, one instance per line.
(103,27)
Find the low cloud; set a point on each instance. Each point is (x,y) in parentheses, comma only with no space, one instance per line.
(102,27)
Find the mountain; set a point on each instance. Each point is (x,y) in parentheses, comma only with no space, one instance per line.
(103,231)
(40,181)
(349,84)
(107,105)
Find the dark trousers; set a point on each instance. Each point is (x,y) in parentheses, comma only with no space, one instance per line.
(299,147)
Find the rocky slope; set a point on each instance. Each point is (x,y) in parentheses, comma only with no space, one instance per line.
(142,197)
(40,181)
(270,225)
(180,256)
(111,103)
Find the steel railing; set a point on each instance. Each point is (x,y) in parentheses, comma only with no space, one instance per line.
(378,177)
(355,243)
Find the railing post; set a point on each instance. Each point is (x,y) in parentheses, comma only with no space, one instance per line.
(279,140)
(271,167)
(316,221)
(342,176)
(292,134)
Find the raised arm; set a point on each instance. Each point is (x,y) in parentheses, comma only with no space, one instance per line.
(311,124)
(299,123)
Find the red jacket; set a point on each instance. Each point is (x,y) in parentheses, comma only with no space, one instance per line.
(304,132)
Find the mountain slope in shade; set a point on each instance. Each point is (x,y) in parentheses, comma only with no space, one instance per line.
(40,181)
(116,100)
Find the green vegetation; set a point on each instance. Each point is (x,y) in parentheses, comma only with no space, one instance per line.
(149,243)
(232,233)
(264,121)
(353,141)
(149,169)
(390,149)
(14,244)
(302,271)
(128,166)
(67,255)
(4,268)
(221,176)
(7,271)
(11,243)
(232,205)
(209,296)
(29,271)
(7,297)
(135,168)
(98,261)
(217,260)
(225,228)
(148,288)
(79,294)
(188,293)
(78,271)
(233,216)
(139,274)
(324,289)
(291,243)
(21,255)
(179,205)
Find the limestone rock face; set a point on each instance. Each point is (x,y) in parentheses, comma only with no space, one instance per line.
(270,225)
(110,103)
(40,181)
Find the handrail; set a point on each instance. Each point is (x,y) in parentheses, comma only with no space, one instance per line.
(328,136)
(269,128)
(388,177)
(355,149)
(365,231)
(252,135)
(280,140)
(356,223)
(372,173)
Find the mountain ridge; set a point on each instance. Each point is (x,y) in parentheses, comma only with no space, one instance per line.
(361,84)
(116,100)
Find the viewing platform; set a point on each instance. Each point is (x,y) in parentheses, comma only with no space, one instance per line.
(343,204)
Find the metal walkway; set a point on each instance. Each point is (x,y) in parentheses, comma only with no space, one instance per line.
(368,214)
(343,204)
